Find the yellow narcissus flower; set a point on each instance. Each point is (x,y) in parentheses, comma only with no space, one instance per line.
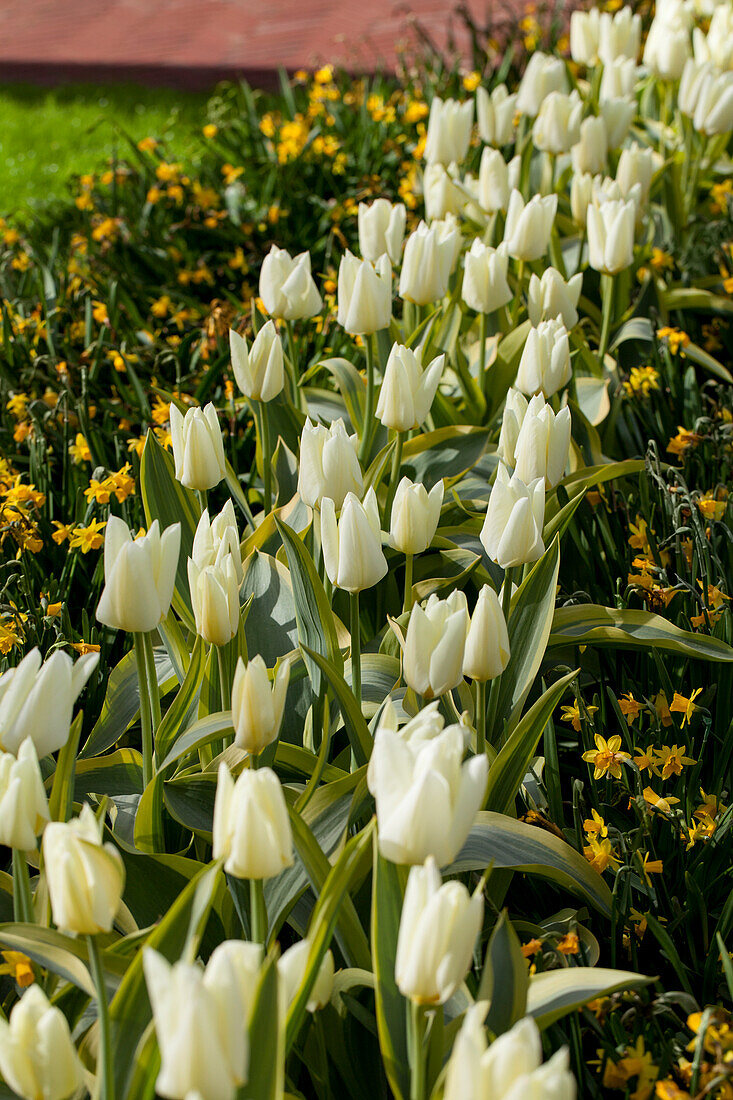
(606,757)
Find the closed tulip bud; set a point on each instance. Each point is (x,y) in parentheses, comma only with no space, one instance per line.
(38,1059)
(636,165)
(139,576)
(257,704)
(85,876)
(487,643)
(495,115)
(287,287)
(198,450)
(717,46)
(619,79)
(291,968)
(493,182)
(589,154)
(485,287)
(515,408)
(329,464)
(215,600)
(438,930)
(23,803)
(619,36)
(364,294)
(551,298)
(407,391)
(611,227)
(430,256)
(432,662)
(529,225)
(706,96)
(512,531)
(544,74)
(587,190)
(251,831)
(201,1019)
(449,131)
(216,538)
(581,195)
(545,363)
(352,544)
(543,443)
(667,46)
(415,515)
(509,1069)
(584,36)
(259,372)
(617,115)
(557,126)
(37,700)
(443,191)
(381,229)
(426,798)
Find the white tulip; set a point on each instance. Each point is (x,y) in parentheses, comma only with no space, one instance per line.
(352,544)
(551,298)
(364,294)
(515,408)
(251,829)
(426,798)
(38,1059)
(529,225)
(487,643)
(432,661)
(619,79)
(23,802)
(216,538)
(590,153)
(414,517)
(585,29)
(198,449)
(37,700)
(291,968)
(438,929)
(430,256)
(139,576)
(544,74)
(215,599)
(329,464)
(493,181)
(407,391)
(381,229)
(495,115)
(717,46)
(545,362)
(85,876)
(543,443)
(619,36)
(257,704)
(636,165)
(611,227)
(512,530)
(557,126)
(485,287)
(449,131)
(617,115)
(259,371)
(668,46)
(443,191)
(706,96)
(287,287)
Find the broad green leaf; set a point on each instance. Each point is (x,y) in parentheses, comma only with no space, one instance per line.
(504,980)
(510,766)
(388,886)
(695,298)
(591,624)
(120,773)
(356,726)
(554,993)
(592,398)
(265,1078)
(587,477)
(499,841)
(704,359)
(122,701)
(66,956)
(62,791)
(183,708)
(202,732)
(445,452)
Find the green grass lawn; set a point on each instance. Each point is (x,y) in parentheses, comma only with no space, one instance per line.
(50,134)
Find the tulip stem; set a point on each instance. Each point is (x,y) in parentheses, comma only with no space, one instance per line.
(257,911)
(146,722)
(482,352)
(225,687)
(518,297)
(266,458)
(607,302)
(407,603)
(366,434)
(22,896)
(153,687)
(105,1076)
(417,1059)
(506,600)
(480,717)
(355,646)
(393,477)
